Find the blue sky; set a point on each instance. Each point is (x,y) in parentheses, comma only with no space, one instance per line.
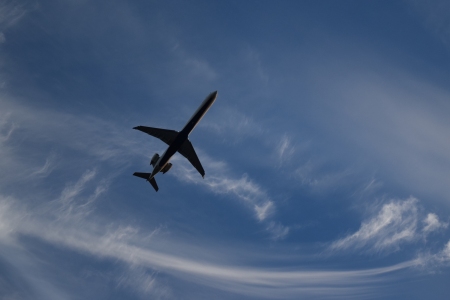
(326,153)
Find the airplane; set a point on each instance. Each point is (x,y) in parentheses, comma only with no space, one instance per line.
(177,142)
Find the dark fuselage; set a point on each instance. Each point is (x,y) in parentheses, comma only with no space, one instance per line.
(184,133)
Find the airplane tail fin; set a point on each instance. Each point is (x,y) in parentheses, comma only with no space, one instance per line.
(146,176)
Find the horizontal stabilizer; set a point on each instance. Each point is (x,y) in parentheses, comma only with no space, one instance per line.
(142,175)
(153,183)
(146,176)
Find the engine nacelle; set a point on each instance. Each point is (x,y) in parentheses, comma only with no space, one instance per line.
(154,159)
(166,168)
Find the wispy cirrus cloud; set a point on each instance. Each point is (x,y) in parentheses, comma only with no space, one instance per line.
(6,127)
(277,230)
(393,121)
(285,149)
(396,223)
(133,247)
(47,168)
(436,17)
(145,282)
(253,58)
(196,67)
(432,223)
(74,203)
(25,278)
(10,13)
(434,261)
(281,149)
(220,181)
(233,125)
(86,136)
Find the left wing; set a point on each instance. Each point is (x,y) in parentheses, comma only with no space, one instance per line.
(165,135)
(187,150)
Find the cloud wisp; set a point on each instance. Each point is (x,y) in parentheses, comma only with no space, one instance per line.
(90,236)
(85,136)
(432,223)
(11,13)
(396,119)
(370,117)
(434,261)
(285,149)
(219,181)
(396,223)
(47,168)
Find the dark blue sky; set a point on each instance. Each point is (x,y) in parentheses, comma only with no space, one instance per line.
(326,153)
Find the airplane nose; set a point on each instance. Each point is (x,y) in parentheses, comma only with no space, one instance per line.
(211,98)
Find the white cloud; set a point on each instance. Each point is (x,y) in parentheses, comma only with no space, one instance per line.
(10,13)
(393,121)
(432,223)
(24,129)
(46,169)
(189,64)
(436,17)
(262,211)
(72,191)
(74,203)
(435,261)
(446,251)
(200,68)
(6,127)
(310,174)
(219,181)
(86,135)
(28,280)
(369,188)
(91,236)
(233,125)
(394,224)
(285,149)
(145,282)
(253,58)
(8,222)
(278,231)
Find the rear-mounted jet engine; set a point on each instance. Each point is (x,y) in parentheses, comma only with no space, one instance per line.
(155,159)
(166,168)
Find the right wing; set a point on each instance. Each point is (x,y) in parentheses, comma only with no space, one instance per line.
(165,135)
(146,176)
(187,150)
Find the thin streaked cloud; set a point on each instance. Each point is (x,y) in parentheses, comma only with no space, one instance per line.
(131,247)
(320,134)
(432,223)
(395,224)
